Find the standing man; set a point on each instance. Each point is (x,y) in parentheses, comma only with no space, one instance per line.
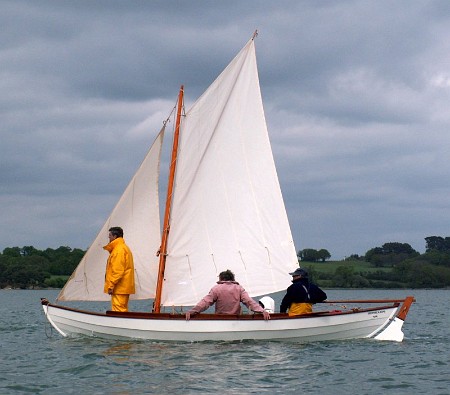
(119,276)
(301,295)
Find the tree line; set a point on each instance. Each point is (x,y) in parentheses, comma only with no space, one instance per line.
(28,267)
(396,264)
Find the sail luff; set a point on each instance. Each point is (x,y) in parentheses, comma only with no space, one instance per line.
(137,212)
(163,249)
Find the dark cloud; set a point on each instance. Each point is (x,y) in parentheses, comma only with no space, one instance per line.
(356,96)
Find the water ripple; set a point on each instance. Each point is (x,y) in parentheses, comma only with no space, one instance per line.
(33,363)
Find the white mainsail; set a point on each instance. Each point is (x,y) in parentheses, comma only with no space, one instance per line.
(137,212)
(228,211)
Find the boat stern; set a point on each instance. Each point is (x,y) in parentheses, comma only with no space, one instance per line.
(393,331)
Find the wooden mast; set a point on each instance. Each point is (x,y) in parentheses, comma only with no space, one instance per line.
(166,226)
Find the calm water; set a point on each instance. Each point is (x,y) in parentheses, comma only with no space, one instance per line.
(33,363)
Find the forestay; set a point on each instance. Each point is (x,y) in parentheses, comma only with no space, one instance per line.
(228,211)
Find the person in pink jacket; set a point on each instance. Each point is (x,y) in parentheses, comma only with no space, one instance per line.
(227,294)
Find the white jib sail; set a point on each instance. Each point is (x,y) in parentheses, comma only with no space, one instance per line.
(137,212)
(228,211)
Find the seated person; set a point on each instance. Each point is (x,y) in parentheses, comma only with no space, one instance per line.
(227,295)
(301,295)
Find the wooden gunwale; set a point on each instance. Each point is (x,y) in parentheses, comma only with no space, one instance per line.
(220,317)
(369,300)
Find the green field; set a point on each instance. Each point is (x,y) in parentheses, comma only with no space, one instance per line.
(350,274)
(331,266)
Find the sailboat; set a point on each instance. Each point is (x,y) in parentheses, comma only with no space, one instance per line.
(224,210)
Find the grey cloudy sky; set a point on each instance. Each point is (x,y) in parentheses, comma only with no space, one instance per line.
(356,95)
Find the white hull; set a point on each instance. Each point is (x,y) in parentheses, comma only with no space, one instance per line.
(379,323)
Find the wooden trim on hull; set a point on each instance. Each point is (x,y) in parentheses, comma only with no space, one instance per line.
(228,317)
(370,300)
(403,312)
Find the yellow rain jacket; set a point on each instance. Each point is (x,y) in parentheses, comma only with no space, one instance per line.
(119,268)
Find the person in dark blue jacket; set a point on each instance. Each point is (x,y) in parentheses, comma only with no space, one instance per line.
(301,295)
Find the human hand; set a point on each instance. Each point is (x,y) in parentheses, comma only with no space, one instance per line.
(188,316)
(110,291)
(266,315)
